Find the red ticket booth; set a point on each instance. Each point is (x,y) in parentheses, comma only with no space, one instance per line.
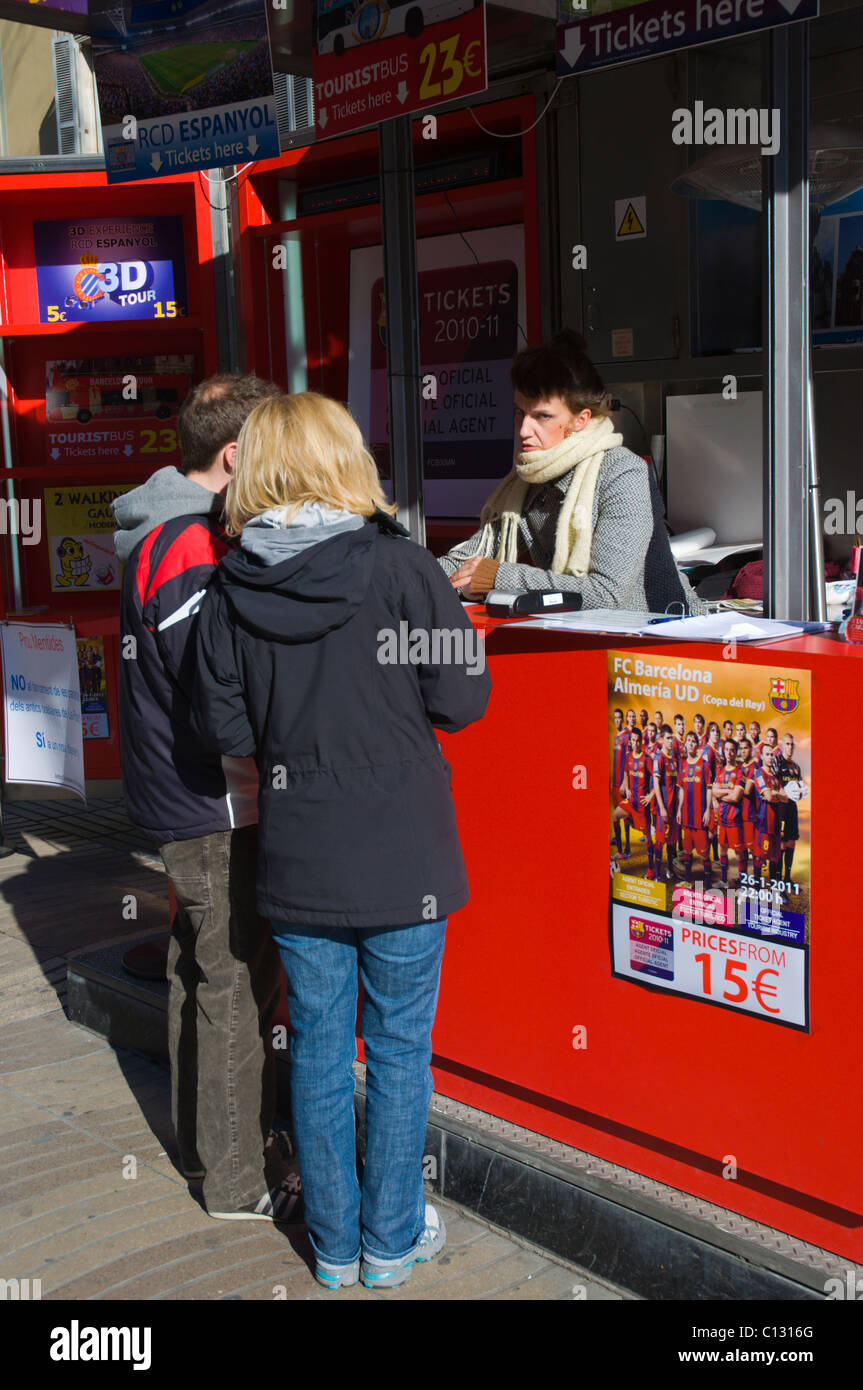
(108,316)
(698,1092)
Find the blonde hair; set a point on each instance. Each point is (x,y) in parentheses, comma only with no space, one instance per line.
(297,449)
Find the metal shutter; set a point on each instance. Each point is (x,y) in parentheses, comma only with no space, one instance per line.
(65,54)
(294,109)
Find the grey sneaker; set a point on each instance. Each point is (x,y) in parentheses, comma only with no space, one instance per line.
(337,1276)
(387,1274)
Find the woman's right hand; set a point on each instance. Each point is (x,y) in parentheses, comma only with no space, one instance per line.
(462,577)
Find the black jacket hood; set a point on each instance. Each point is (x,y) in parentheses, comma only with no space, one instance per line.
(311,593)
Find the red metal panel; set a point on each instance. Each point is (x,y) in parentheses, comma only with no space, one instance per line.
(666,1086)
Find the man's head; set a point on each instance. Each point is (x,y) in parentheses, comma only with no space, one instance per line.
(727,729)
(755,731)
(771,738)
(635,740)
(658,719)
(788,747)
(729,752)
(691,744)
(643,717)
(745,750)
(698,721)
(650,732)
(713,734)
(209,423)
(666,734)
(679,725)
(739,730)
(631,719)
(618,719)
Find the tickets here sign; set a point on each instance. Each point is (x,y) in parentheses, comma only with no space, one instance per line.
(44,738)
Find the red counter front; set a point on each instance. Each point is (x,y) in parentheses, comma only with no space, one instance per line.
(671,1087)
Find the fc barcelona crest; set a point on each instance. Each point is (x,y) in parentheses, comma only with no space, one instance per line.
(784,695)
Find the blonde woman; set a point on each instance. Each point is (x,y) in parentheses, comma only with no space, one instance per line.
(301,662)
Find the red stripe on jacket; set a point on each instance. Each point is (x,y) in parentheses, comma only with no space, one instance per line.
(194,547)
(144,564)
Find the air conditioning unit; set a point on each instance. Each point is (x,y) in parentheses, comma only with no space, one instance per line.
(295,111)
(78,127)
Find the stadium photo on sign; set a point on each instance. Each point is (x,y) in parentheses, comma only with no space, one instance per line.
(170,56)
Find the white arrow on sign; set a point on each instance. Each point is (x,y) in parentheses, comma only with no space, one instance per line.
(156,161)
(402,92)
(323,118)
(253,145)
(55,453)
(572,45)
(790,5)
(128,449)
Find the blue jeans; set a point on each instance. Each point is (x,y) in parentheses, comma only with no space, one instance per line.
(400,970)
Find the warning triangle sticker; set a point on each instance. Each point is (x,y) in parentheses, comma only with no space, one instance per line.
(630,225)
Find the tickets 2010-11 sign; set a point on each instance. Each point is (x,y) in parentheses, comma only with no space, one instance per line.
(711,831)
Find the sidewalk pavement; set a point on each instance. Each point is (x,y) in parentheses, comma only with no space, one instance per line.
(91,1202)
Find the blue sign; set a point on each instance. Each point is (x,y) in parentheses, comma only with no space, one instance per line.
(182,84)
(98,269)
(657,26)
(199,140)
(771,921)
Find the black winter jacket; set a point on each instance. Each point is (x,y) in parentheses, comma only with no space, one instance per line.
(170,541)
(357,823)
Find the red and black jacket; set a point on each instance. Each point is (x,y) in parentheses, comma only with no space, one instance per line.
(175,788)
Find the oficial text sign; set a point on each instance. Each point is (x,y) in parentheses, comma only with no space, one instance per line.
(468,337)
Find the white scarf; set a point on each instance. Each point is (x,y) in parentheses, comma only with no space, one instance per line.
(583,450)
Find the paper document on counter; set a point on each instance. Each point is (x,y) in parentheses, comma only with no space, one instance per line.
(596,620)
(707,627)
(724,627)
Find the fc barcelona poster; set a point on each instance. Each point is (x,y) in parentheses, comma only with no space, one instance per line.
(710,831)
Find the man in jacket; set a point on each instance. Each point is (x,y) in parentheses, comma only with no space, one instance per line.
(201,809)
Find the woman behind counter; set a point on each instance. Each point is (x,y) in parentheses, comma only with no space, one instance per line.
(586,512)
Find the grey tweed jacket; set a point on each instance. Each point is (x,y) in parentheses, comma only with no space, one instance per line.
(631,564)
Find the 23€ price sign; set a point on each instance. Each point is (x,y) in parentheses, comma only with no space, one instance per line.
(411,57)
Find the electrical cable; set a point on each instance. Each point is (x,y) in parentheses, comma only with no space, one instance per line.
(470,248)
(516,135)
(206,181)
(458,226)
(616,404)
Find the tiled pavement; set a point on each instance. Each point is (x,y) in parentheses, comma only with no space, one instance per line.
(91,1203)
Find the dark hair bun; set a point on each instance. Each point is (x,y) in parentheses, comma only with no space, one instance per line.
(561,367)
(568,342)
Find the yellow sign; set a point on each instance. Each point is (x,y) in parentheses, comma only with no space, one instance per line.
(80,530)
(630,225)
